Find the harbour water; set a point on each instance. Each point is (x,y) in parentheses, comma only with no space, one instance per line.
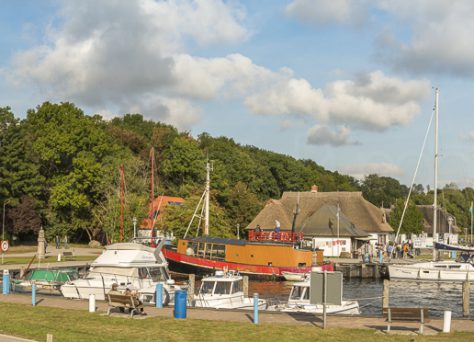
(438,297)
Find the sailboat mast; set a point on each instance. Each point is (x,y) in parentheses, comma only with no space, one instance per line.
(206,203)
(152,195)
(435,197)
(122,200)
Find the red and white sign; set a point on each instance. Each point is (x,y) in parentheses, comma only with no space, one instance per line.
(5,245)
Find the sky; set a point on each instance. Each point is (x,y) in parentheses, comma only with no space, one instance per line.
(346,83)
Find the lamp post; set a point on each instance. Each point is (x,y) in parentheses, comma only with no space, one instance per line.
(450,223)
(3,226)
(134,220)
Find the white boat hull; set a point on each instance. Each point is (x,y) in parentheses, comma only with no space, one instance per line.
(448,271)
(346,308)
(239,302)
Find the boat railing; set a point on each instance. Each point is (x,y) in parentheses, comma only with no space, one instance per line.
(282,236)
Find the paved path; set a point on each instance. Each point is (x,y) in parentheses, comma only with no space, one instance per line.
(7,338)
(339,321)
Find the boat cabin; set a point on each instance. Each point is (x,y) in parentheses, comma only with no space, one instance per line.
(249,252)
(220,285)
(299,292)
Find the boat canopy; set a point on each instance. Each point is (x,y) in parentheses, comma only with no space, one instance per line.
(219,240)
(446,247)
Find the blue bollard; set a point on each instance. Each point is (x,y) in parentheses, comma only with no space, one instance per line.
(33,294)
(180,299)
(6,282)
(255,308)
(159,295)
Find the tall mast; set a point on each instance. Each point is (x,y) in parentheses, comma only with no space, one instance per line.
(122,195)
(206,203)
(152,194)
(435,200)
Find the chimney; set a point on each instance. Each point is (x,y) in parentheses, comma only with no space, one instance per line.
(314,188)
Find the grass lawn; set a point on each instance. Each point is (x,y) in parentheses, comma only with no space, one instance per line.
(71,325)
(48,259)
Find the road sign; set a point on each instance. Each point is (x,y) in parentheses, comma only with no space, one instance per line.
(5,245)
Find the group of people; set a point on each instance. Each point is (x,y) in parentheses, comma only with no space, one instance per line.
(403,250)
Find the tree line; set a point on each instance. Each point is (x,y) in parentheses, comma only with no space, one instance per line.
(59,170)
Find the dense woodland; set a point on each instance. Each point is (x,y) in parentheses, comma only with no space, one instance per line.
(59,169)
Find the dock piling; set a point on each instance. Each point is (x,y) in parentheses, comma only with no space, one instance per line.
(465,298)
(192,286)
(245,286)
(386,293)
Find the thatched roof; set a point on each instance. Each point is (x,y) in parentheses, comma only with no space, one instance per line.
(363,214)
(442,220)
(324,222)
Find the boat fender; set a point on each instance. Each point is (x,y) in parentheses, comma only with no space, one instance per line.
(166,297)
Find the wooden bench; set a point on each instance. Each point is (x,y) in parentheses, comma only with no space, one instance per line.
(406,314)
(67,255)
(124,301)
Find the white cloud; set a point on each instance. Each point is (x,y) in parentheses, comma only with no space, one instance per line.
(359,171)
(471,136)
(134,60)
(323,12)
(441,36)
(322,135)
(372,101)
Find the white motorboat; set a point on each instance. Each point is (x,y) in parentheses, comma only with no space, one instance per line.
(130,265)
(299,301)
(432,270)
(224,290)
(293,276)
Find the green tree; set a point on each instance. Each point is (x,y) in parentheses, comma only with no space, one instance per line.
(383,190)
(75,157)
(413,220)
(177,218)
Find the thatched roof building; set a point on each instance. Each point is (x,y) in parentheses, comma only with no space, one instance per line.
(317,214)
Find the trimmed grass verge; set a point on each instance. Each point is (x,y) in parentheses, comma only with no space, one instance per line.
(71,325)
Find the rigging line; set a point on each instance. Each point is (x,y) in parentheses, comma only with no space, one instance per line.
(412,182)
(194,215)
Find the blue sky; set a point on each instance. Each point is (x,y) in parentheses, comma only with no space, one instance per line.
(346,83)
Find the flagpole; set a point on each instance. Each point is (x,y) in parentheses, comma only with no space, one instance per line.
(472,209)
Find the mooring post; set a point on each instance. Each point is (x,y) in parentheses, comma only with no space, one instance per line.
(33,294)
(192,284)
(6,282)
(49,337)
(385,298)
(255,308)
(465,298)
(159,295)
(246,286)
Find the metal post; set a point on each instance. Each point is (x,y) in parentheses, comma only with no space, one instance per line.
(472,209)
(134,227)
(6,282)
(435,194)
(159,295)
(255,308)
(33,294)
(325,289)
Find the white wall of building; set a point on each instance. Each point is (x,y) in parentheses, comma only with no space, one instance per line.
(332,246)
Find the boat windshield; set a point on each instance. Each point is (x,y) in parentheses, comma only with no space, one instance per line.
(223,287)
(297,292)
(237,286)
(158,274)
(207,287)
